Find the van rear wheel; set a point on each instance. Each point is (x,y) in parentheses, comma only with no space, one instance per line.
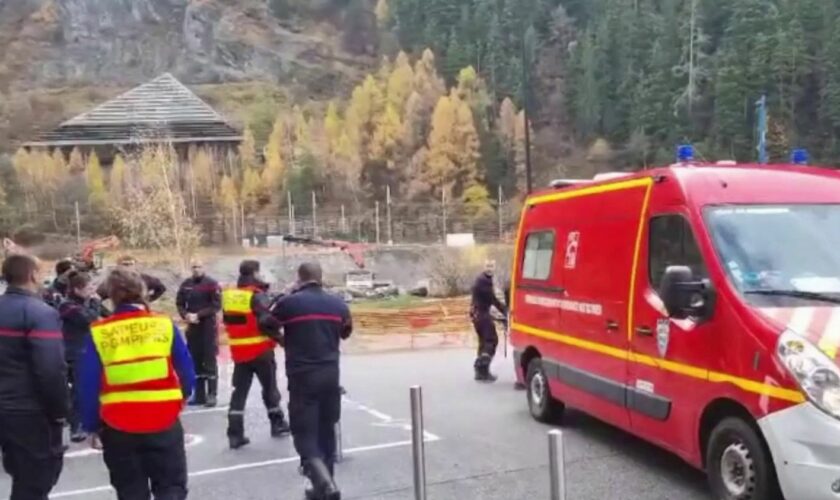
(543,407)
(738,464)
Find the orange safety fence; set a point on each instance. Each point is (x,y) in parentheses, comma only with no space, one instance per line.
(434,316)
(434,322)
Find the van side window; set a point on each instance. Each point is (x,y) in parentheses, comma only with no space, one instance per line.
(672,243)
(539,251)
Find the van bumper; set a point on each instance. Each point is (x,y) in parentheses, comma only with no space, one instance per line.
(805,444)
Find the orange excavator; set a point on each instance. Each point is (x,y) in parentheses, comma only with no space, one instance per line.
(355,251)
(89,259)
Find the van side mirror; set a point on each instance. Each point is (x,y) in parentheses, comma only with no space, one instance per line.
(685,297)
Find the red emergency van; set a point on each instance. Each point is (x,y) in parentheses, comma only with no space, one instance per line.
(698,307)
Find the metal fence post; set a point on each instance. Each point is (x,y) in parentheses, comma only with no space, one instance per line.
(314,215)
(378,239)
(339,452)
(499,210)
(557,465)
(388,215)
(417,445)
(78,227)
(291,213)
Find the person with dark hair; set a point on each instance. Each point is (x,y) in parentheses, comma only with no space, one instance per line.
(252,352)
(33,383)
(199,299)
(313,324)
(134,377)
(483,298)
(78,310)
(57,291)
(154,287)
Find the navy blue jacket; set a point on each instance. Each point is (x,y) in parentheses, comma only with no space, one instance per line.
(203,297)
(89,379)
(76,316)
(56,292)
(484,296)
(33,372)
(313,322)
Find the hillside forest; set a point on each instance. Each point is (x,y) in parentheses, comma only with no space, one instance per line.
(610,84)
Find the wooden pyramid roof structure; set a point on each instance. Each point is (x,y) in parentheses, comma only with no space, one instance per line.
(162,110)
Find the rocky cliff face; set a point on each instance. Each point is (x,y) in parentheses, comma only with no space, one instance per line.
(58,44)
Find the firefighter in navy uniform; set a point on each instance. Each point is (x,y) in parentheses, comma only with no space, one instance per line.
(252,352)
(33,383)
(134,376)
(199,300)
(80,308)
(57,291)
(483,298)
(313,324)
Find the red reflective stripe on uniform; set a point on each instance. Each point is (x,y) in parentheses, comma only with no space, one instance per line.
(45,335)
(34,335)
(314,317)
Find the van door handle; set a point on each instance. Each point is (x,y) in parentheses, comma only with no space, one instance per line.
(644,331)
(612,325)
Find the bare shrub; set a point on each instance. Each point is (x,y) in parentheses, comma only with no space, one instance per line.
(452,270)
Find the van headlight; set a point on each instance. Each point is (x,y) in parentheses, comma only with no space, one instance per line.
(816,374)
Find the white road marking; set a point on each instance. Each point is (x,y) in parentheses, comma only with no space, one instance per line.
(253,465)
(190,440)
(218,409)
(387,420)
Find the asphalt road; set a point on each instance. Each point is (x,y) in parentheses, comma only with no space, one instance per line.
(481,444)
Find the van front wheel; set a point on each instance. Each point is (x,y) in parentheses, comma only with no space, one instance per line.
(543,407)
(738,464)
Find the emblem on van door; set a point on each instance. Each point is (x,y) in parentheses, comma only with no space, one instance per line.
(663,336)
(572,244)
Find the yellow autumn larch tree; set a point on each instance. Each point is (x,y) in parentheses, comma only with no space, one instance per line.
(95,181)
(117,182)
(366,103)
(452,164)
(275,164)
(400,83)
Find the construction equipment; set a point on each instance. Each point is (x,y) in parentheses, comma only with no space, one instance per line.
(355,251)
(89,259)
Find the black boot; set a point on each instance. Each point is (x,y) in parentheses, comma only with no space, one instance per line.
(323,485)
(236,431)
(212,391)
(200,395)
(482,374)
(279,425)
(236,442)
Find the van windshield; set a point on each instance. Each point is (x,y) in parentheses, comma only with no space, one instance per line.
(778,253)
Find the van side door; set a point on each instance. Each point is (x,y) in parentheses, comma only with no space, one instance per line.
(598,231)
(538,280)
(666,376)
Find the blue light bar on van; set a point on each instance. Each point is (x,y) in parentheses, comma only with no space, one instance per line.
(685,153)
(799,157)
